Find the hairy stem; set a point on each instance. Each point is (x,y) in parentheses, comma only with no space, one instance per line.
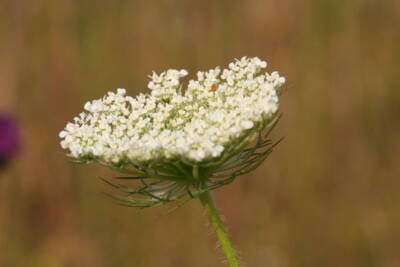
(219,229)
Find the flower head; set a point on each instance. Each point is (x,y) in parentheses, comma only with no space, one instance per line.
(173,133)
(217,109)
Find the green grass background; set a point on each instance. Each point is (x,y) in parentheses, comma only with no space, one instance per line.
(328,196)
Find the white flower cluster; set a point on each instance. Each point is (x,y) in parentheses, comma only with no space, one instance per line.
(196,125)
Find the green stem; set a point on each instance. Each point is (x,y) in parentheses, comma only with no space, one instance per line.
(219,229)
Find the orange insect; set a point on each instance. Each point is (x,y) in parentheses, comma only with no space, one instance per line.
(213,87)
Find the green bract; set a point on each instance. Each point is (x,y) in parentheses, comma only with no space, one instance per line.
(167,181)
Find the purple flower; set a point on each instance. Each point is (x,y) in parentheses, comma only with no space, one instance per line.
(9,141)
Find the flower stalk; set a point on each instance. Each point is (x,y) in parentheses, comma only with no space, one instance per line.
(218,226)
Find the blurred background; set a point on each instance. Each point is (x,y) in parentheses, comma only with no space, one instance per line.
(329,194)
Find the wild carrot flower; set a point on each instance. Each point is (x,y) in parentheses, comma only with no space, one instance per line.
(180,143)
